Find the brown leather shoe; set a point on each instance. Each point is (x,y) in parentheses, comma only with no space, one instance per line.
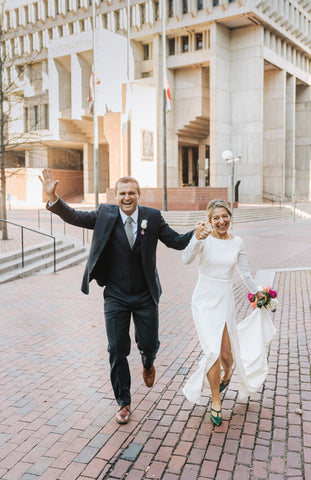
(149,376)
(123,414)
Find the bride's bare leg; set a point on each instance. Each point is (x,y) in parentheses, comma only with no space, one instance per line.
(213,377)
(226,355)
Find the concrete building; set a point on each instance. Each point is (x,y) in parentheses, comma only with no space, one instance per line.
(240,79)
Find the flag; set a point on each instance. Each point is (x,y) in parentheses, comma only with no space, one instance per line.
(168,97)
(91,91)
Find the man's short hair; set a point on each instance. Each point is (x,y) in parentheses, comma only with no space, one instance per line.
(127,180)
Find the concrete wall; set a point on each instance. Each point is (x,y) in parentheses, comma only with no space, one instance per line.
(25,185)
(144,135)
(183,198)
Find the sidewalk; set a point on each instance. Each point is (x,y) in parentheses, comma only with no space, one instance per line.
(57,407)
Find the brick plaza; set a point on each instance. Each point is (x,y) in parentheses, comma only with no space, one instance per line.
(57,407)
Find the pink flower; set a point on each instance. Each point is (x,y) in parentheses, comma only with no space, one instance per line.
(142,232)
(250,297)
(272,293)
(266,288)
(254,304)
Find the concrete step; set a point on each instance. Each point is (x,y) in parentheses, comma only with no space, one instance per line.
(42,260)
(242,215)
(33,256)
(17,254)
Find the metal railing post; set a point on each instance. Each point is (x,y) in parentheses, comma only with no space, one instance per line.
(54,252)
(83,237)
(22,239)
(22,232)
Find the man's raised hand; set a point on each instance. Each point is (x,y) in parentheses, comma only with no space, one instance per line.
(48,184)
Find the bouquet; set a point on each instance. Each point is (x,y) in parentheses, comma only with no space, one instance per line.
(269,302)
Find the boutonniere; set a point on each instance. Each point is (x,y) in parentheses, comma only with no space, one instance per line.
(143,226)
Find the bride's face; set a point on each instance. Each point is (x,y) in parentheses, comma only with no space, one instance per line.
(220,221)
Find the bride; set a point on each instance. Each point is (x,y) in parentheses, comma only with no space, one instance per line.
(213,310)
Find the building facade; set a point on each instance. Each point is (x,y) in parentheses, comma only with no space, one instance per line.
(239,73)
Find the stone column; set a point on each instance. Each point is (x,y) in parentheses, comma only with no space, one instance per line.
(220,111)
(274,132)
(290,134)
(303,148)
(54,96)
(80,81)
(202,149)
(246,116)
(190,167)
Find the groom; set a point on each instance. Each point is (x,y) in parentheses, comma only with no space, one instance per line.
(123,259)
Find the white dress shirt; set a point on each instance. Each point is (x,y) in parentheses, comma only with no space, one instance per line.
(134,222)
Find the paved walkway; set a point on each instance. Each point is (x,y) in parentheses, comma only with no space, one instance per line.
(56,403)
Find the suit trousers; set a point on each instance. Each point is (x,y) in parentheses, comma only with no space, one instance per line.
(119,306)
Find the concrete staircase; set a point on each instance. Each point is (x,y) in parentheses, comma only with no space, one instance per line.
(40,258)
(241,215)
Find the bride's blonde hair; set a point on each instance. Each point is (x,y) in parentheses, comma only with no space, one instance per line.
(217,203)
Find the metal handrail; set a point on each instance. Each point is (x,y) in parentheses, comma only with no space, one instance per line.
(64,224)
(36,231)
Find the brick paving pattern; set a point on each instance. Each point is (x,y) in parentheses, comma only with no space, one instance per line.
(57,407)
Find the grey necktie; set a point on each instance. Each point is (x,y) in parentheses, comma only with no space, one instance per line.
(129,230)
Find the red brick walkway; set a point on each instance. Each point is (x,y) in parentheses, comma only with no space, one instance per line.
(57,407)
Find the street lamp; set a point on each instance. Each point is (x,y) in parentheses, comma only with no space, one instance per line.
(229,158)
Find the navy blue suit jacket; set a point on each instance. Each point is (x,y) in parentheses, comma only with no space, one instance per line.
(102,222)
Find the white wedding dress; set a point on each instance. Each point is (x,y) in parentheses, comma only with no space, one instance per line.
(213,308)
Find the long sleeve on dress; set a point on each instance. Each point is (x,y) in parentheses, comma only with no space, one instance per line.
(192,250)
(244,272)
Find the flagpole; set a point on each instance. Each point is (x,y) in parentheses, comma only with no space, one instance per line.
(95,124)
(164,106)
(128,33)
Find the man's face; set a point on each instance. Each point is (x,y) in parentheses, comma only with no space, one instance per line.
(127,196)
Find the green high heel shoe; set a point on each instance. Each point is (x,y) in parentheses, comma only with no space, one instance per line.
(223,384)
(216,419)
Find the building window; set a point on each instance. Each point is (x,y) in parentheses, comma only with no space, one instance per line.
(170,8)
(198,41)
(46,116)
(118,20)
(171,46)
(82,27)
(185,6)
(143,13)
(146,52)
(146,75)
(215,3)
(35,118)
(156,11)
(105,21)
(35,10)
(8,75)
(26,127)
(185,43)
(200,4)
